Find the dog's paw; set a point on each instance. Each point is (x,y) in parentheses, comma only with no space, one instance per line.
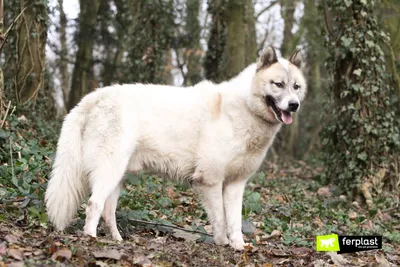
(116,237)
(89,232)
(236,241)
(238,246)
(221,240)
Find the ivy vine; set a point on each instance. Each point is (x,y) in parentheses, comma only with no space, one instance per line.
(361,142)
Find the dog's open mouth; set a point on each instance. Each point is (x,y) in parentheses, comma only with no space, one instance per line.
(281,115)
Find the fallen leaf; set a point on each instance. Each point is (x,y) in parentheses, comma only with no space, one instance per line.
(53,247)
(38,252)
(245,257)
(170,192)
(208,229)
(353,215)
(338,259)
(317,221)
(62,254)
(319,263)
(11,239)
(383,216)
(101,264)
(279,253)
(274,234)
(355,204)
(107,254)
(280,262)
(16,264)
(383,262)
(16,254)
(250,247)
(267,265)
(3,248)
(301,251)
(142,260)
(324,192)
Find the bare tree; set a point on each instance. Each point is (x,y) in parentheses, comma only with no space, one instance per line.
(30,36)
(80,84)
(232,43)
(63,64)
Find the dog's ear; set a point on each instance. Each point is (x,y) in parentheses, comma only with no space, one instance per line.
(296,59)
(267,58)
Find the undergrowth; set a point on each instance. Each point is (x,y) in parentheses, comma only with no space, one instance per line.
(278,200)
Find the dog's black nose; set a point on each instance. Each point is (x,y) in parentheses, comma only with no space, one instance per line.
(293,106)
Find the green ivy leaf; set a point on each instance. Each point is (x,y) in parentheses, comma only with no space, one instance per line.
(348,2)
(362,156)
(357,72)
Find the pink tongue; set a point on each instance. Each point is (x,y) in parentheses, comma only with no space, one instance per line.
(286,117)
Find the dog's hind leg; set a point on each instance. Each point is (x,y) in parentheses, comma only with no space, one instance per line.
(104,181)
(109,213)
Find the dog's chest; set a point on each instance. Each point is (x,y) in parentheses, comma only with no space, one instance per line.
(252,143)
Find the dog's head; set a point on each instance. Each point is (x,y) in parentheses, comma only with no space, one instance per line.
(278,87)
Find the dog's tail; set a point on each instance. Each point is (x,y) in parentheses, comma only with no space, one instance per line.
(67,185)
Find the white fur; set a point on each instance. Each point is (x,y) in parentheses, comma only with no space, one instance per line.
(284,63)
(213,135)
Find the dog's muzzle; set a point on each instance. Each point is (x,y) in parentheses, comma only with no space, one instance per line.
(282,115)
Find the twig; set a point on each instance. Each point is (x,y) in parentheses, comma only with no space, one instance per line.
(5,115)
(5,35)
(265,9)
(180,66)
(170,226)
(391,209)
(12,161)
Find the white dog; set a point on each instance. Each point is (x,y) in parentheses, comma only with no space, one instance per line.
(215,135)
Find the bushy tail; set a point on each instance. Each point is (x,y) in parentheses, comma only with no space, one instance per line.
(67,186)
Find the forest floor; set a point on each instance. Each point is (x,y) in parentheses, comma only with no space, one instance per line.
(164,225)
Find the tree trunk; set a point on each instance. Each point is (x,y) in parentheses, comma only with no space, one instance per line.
(216,41)
(291,132)
(232,43)
(362,140)
(63,64)
(1,44)
(193,51)
(29,62)
(80,84)
(287,12)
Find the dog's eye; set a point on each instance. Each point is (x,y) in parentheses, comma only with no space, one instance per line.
(296,87)
(280,85)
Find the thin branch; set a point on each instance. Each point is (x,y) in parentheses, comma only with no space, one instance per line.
(266,9)
(180,66)
(170,226)
(11,158)
(5,115)
(328,28)
(5,35)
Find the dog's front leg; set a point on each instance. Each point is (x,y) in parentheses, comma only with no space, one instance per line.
(233,199)
(211,195)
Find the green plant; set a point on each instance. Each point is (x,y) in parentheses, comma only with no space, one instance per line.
(361,140)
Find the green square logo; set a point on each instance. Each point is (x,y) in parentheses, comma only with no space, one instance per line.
(328,243)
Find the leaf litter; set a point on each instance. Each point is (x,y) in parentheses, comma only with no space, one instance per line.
(283,211)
